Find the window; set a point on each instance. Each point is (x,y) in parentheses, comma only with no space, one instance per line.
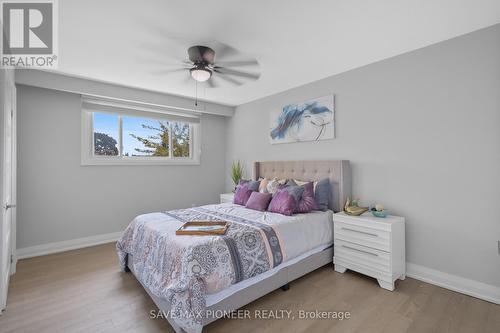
(125,134)
(106,134)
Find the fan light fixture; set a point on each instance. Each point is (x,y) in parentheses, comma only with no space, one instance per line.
(200,73)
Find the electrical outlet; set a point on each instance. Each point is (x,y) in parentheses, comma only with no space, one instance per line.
(499,247)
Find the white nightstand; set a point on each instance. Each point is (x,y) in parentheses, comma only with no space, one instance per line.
(226,197)
(370,245)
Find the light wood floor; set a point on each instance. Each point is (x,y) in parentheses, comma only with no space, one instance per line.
(83,291)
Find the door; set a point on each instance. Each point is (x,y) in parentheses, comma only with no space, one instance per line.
(8,189)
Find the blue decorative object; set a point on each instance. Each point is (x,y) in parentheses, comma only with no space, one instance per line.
(380,213)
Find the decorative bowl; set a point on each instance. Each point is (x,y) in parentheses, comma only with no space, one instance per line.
(380,213)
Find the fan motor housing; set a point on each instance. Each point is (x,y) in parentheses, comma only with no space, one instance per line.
(199,54)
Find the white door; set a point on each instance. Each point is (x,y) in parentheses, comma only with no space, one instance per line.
(8,191)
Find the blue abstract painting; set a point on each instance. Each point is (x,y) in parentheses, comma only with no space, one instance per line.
(312,120)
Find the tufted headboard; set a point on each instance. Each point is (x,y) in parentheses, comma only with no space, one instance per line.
(339,173)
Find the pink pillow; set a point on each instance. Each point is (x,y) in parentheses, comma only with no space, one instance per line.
(242,194)
(283,202)
(263,185)
(259,201)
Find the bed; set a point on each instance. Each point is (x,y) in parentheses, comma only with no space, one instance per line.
(188,276)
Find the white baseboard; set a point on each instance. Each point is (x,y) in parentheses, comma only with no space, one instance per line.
(459,284)
(73,244)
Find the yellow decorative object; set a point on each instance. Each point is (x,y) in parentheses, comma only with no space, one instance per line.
(353,210)
(379,207)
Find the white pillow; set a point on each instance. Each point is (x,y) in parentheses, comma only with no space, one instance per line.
(301,182)
(272,186)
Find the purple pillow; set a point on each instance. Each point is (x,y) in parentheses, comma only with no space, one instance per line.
(284,200)
(259,201)
(307,203)
(252,184)
(242,194)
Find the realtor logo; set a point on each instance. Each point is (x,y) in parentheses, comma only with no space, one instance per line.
(29,33)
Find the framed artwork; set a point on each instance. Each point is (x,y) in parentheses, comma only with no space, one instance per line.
(312,120)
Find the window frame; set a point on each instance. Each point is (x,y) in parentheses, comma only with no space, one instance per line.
(88,156)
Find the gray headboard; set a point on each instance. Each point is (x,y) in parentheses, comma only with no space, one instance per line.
(339,173)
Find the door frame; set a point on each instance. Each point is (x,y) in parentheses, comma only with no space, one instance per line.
(8,113)
(13,226)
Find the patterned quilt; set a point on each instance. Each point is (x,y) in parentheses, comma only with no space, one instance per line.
(183,269)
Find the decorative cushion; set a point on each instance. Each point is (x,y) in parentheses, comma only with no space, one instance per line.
(307,202)
(259,201)
(285,200)
(242,194)
(300,182)
(252,184)
(272,185)
(263,185)
(322,193)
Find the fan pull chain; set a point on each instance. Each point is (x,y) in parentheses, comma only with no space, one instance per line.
(196,94)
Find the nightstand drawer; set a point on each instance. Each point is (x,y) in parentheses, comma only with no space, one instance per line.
(374,238)
(349,264)
(362,255)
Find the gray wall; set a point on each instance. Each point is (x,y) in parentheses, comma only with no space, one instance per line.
(58,199)
(423,133)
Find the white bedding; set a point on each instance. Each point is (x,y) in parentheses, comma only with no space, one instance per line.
(300,233)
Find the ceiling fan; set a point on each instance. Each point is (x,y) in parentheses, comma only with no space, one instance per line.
(203,68)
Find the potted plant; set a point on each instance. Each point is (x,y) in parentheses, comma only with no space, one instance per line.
(236,172)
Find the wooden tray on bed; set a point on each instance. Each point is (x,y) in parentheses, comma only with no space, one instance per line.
(203,228)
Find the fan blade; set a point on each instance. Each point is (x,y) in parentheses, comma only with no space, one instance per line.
(188,78)
(211,83)
(168,71)
(233,72)
(229,79)
(237,63)
(223,50)
(153,61)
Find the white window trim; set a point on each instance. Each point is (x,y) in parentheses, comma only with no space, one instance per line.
(87,143)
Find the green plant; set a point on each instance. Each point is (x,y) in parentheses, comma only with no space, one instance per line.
(236,172)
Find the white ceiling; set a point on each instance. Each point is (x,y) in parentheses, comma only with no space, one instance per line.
(295,41)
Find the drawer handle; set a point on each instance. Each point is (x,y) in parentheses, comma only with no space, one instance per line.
(361,232)
(362,251)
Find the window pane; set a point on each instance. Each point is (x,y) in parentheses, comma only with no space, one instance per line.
(105,134)
(145,137)
(180,139)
